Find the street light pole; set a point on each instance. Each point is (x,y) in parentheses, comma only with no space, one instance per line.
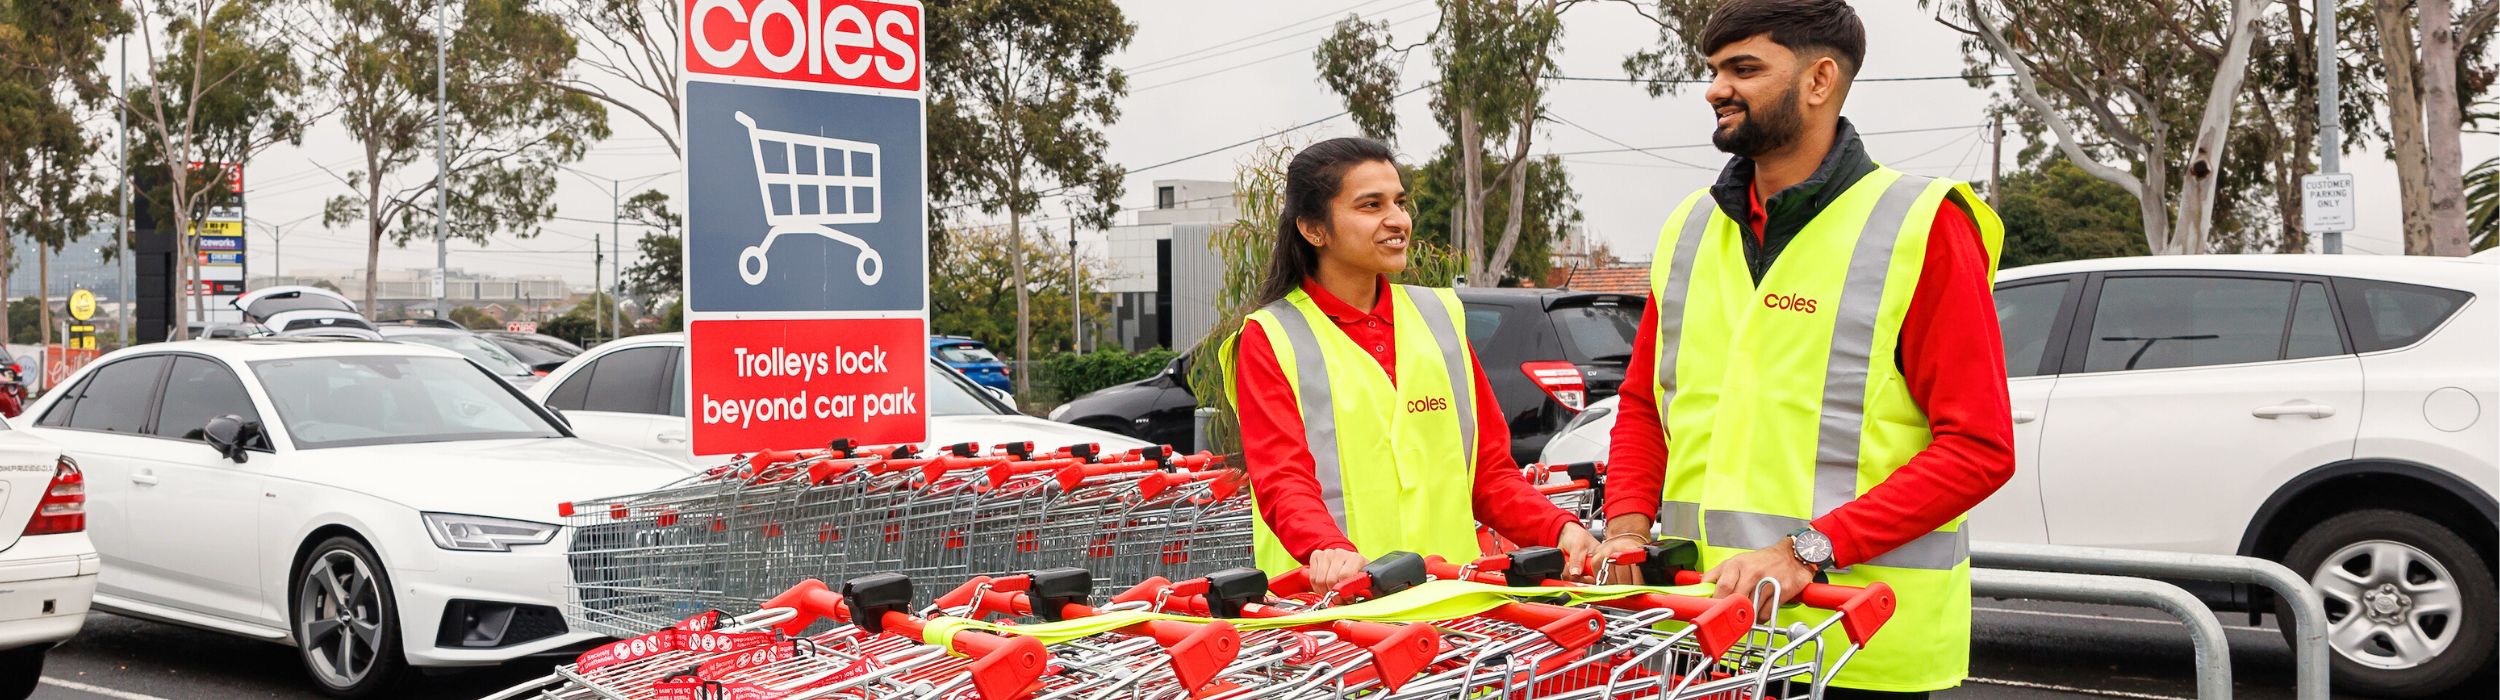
(442,167)
(1076,295)
(121,260)
(2330,110)
(616,257)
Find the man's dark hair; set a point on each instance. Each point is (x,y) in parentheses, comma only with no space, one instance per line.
(1804,26)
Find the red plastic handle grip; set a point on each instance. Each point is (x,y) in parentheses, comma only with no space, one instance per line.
(1863,610)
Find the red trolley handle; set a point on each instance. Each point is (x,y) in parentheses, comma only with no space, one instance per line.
(1003,668)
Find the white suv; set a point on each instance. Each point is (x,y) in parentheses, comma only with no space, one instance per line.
(2339,414)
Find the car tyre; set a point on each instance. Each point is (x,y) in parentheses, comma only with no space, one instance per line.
(20,670)
(2409,604)
(346,619)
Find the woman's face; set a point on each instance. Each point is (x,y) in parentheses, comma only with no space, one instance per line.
(1367,223)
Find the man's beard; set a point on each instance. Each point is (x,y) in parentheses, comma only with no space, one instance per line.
(1762,131)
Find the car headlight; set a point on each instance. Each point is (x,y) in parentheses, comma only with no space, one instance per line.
(1061,411)
(1586,417)
(477,533)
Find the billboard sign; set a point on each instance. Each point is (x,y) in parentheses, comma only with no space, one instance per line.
(807,254)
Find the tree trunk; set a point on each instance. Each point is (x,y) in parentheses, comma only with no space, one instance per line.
(43,293)
(373,242)
(182,221)
(2154,203)
(2194,232)
(1024,297)
(1517,219)
(1469,238)
(2442,124)
(2404,116)
(8,254)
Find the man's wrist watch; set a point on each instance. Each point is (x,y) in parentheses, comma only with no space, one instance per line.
(1812,548)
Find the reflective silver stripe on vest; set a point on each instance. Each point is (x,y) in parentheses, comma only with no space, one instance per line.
(1319,425)
(1939,551)
(1852,358)
(1453,356)
(1678,518)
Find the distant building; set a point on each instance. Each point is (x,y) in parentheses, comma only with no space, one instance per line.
(1162,276)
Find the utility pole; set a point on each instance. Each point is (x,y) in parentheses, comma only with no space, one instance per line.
(2330,110)
(1076,295)
(442,167)
(121,260)
(598,267)
(1996,163)
(616,258)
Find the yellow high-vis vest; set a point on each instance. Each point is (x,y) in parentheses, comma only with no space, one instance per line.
(1396,461)
(1781,401)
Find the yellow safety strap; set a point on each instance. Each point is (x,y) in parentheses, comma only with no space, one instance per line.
(1432,601)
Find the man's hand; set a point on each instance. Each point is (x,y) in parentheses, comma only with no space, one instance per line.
(1330,567)
(1624,533)
(1778,562)
(1577,546)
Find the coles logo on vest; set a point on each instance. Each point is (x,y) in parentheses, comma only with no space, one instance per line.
(1788,302)
(1428,405)
(840,42)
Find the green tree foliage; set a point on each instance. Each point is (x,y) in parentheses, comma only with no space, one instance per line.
(1019,93)
(24,319)
(48,59)
(1434,193)
(2482,204)
(975,297)
(659,274)
(1493,59)
(2055,212)
(510,124)
(473,319)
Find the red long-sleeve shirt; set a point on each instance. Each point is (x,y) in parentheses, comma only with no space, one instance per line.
(1279,458)
(1955,364)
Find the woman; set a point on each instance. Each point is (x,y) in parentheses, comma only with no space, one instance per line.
(1367,425)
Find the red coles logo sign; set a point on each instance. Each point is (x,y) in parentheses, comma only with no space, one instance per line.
(836,42)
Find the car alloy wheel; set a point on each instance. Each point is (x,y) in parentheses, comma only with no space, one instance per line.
(339,618)
(2388,604)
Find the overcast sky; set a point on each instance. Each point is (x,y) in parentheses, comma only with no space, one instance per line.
(1265,84)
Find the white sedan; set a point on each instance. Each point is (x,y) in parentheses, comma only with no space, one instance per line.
(47,565)
(378,505)
(2333,413)
(631,393)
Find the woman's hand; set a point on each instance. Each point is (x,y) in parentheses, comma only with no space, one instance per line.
(1624,533)
(1578,548)
(1329,567)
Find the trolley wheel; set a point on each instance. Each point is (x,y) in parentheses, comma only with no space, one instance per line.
(2408,602)
(751,265)
(347,620)
(871,266)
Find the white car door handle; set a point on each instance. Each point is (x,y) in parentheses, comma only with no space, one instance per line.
(144,477)
(2024,415)
(2296,408)
(672,437)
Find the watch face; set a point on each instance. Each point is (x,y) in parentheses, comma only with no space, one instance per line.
(1813,546)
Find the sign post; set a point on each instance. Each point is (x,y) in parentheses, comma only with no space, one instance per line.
(806,251)
(2326,204)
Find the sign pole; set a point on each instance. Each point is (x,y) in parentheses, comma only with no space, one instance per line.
(2330,114)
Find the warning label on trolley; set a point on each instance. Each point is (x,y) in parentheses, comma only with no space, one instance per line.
(806,255)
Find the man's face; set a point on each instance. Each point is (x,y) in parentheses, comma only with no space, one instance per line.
(1753,91)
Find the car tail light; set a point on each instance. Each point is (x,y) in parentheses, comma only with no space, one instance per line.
(1561,380)
(64,506)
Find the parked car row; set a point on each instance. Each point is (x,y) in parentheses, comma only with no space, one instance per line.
(2335,414)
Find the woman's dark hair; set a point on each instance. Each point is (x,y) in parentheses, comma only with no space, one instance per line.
(1311,182)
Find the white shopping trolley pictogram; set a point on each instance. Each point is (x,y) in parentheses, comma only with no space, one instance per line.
(820,183)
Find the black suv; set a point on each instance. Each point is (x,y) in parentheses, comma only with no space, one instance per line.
(1548,354)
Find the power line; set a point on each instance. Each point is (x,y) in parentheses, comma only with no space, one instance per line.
(1609,139)
(1239,66)
(1201,53)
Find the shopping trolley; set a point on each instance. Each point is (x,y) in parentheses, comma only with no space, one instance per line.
(820,183)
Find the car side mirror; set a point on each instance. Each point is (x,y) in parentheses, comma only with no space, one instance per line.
(231,436)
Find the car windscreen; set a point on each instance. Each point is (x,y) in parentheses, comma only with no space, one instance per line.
(543,342)
(1597,333)
(531,353)
(296,301)
(352,401)
(487,355)
(950,395)
(965,354)
(326,322)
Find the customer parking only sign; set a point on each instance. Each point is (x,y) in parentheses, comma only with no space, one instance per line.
(806,259)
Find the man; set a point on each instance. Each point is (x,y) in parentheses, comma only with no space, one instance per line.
(1818,390)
